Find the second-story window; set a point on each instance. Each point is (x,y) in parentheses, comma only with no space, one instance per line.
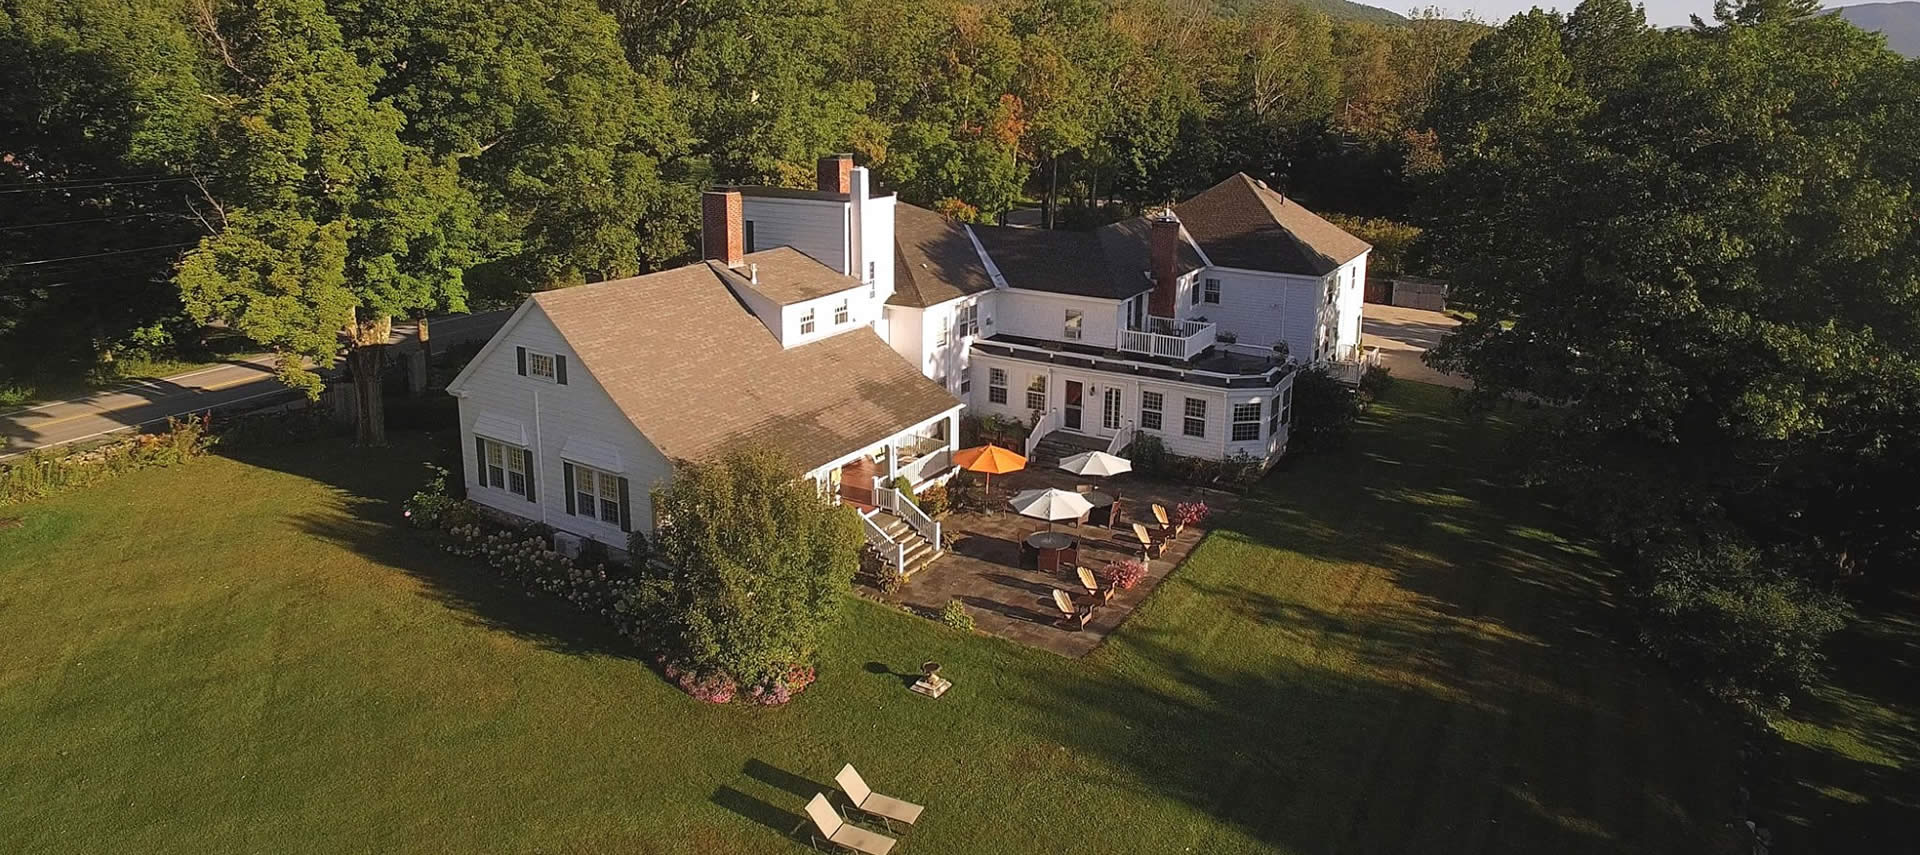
(997,385)
(1075,324)
(1195,423)
(807,322)
(540,365)
(1193,296)
(1212,291)
(1150,407)
(840,314)
(970,319)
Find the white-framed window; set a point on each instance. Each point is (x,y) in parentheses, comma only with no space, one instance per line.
(1076,324)
(1037,393)
(540,365)
(1212,291)
(873,287)
(506,466)
(970,319)
(807,322)
(966,382)
(946,331)
(1193,296)
(1195,423)
(997,385)
(1286,406)
(1151,404)
(596,494)
(1246,422)
(1273,416)
(841,313)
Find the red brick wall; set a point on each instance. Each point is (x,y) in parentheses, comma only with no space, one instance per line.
(721,235)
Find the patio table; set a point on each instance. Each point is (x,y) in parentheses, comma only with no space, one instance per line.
(1050,547)
(1104,507)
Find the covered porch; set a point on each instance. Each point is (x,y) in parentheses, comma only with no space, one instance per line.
(922,454)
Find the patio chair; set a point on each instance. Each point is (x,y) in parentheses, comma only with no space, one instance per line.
(1093,588)
(887,808)
(1166,528)
(1150,546)
(830,826)
(1071,616)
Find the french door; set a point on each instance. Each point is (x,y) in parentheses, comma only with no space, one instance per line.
(1110,408)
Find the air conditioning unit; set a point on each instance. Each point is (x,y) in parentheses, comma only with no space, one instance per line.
(568,543)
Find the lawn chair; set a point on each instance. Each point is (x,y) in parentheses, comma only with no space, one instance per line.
(1150,546)
(1093,588)
(830,826)
(1167,531)
(887,808)
(1071,616)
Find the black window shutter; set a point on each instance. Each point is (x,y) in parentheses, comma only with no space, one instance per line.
(566,474)
(626,508)
(528,457)
(480,458)
(747,227)
(559,369)
(520,356)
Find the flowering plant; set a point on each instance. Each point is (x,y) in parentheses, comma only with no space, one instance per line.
(1191,513)
(1124,573)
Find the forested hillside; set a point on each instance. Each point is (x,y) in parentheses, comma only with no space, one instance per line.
(395,157)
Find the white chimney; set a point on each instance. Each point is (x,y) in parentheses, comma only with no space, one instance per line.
(856,213)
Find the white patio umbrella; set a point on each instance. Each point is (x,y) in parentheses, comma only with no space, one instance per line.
(1098,463)
(1050,504)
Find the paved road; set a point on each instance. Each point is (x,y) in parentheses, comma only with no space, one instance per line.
(144,402)
(1403,335)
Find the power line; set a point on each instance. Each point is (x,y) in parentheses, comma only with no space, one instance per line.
(87,220)
(97,179)
(37,189)
(94,255)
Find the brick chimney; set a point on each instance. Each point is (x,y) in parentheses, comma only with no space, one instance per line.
(1165,247)
(721,235)
(835,173)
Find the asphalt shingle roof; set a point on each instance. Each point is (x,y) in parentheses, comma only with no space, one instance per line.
(1242,223)
(933,259)
(697,373)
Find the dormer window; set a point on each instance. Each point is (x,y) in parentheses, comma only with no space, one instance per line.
(840,314)
(807,322)
(1075,324)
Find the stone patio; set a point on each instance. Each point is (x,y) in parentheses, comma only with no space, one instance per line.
(983,569)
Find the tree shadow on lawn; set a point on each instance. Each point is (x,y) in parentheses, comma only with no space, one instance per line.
(1448,749)
(372,484)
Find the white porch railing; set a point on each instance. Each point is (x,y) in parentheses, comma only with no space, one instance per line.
(1349,364)
(1046,425)
(901,505)
(1121,438)
(892,551)
(1174,338)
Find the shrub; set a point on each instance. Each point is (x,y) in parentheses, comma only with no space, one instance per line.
(1191,513)
(1737,620)
(524,558)
(749,568)
(1240,470)
(1323,410)
(954,614)
(880,572)
(903,486)
(1148,454)
(1124,573)
(935,501)
(1375,383)
(638,548)
(428,507)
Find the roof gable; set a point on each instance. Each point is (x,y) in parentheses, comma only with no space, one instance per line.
(1241,222)
(933,259)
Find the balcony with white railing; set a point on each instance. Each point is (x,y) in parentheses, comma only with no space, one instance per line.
(1173,338)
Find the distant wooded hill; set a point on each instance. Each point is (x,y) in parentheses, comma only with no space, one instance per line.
(1333,9)
(1899,22)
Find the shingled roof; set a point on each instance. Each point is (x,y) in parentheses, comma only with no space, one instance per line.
(1241,222)
(933,259)
(786,275)
(697,373)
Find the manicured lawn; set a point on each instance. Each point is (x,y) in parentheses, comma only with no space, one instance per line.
(1383,651)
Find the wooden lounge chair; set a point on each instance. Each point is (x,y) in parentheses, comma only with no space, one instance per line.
(1150,546)
(830,826)
(1071,616)
(1166,528)
(1093,588)
(887,808)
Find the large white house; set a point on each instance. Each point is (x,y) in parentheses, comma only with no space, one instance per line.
(848,330)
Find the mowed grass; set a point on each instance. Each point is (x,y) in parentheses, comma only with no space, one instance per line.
(1384,650)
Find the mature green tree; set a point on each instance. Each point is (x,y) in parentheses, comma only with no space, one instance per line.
(330,224)
(1706,261)
(749,566)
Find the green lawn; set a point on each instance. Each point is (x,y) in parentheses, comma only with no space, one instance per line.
(1383,651)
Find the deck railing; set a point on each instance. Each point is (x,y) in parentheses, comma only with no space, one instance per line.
(891,551)
(1174,338)
(902,505)
(1121,438)
(1048,421)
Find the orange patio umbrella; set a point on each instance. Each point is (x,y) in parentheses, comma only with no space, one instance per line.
(989,460)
